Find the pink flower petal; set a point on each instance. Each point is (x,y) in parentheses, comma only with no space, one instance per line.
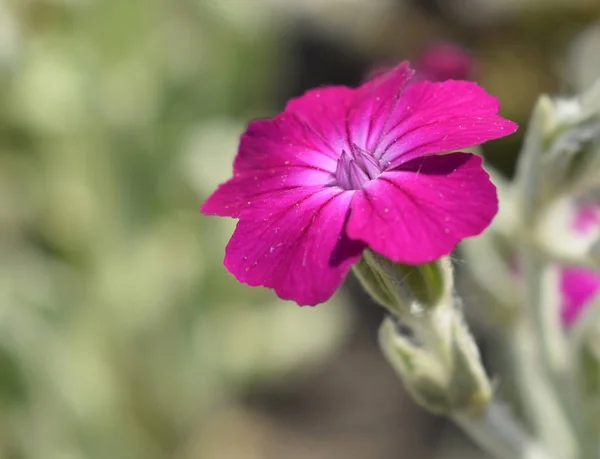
(579,286)
(295,244)
(439,117)
(374,101)
(283,141)
(245,190)
(325,111)
(274,155)
(419,213)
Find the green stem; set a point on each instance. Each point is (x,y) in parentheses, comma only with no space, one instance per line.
(541,359)
(497,433)
(540,403)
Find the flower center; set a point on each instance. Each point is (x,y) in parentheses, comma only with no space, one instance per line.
(355,168)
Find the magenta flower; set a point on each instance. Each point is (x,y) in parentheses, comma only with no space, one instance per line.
(343,169)
(444,61)
(579,286)
(439,62)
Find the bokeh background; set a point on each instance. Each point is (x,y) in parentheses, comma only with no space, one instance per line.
(121,334)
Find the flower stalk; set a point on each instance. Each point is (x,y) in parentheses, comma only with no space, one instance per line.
(498,433)
(425,336)
(426,341)
(541,350)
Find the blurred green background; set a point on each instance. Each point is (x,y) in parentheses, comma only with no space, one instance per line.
(121,334)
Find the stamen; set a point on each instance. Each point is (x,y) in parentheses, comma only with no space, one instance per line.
(355,168)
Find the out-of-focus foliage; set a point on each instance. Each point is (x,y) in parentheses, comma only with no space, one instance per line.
(120,330)
(582,66)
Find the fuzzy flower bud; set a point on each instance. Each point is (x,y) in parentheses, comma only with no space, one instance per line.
(425,339)
(439,362)
(404,289)
(561,153)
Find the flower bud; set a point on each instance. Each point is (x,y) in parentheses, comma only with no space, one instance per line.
(442,371)
(405,289)
(561,152)
(426,339)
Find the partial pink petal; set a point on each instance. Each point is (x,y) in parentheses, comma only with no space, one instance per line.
(274,155)
(419,213)
(295,244)
(587,218)
(439,117)
(373,103)
(579,286)
(285,140)
(251,188)
(325,110)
